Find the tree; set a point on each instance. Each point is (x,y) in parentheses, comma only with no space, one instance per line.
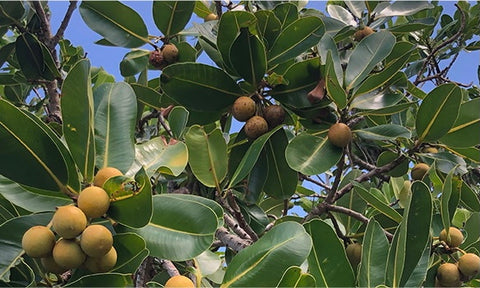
(389,162)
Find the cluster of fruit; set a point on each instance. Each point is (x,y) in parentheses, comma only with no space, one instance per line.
(160,58)
(79,243)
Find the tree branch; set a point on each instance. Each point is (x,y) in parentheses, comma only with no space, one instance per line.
(231,240)
(65,21)
(239,216)
(235,227)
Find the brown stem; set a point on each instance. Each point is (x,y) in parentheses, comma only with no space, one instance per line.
(65,21)
(235,227)
(231,240)
(237,213)
(168,266)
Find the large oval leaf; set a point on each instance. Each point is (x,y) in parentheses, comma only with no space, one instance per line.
(131,250)
(334,88)
(172,16)
(464,133)
(383,132)
(377,203)
(11,11)
(269,26)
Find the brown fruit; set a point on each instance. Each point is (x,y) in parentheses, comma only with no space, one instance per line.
(49,265)
(211,17)
(340,135)
(69,221)
(362,33)
(103,174)
(243,108)
(93,201)
(255,127)
(170,53)
(469,264)
(448,275)
(419,170)
(102,264)
(455,239)
(38,241)
(68,254)
(354,253)
(156,59)
(179,281)
(96,240)
(432,150)
(274,115)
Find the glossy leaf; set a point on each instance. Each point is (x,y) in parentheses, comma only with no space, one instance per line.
(286,12)
(377,203)
(450,193)
(178,119)
(339,13)
(134,62)
(151,97)
(11,11)
(21,275)
(464,132)
(350,201)
(103,280)
(376,100)
(438,112)
(30,57)
(383,132)
(294,277)
(286,244)
(469,198)
(116,22)
(326,44)
(472,227)
(172,16)
(403,8)
(269,26)
(334,88)
(131,251)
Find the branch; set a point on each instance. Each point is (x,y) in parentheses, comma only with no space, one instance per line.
(321,184)
(237,213)
(65,21)
(235,227)
(44,22)
(168,266)
(231,240)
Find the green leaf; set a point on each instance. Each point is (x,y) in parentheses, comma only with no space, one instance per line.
(116,22)
(438,112)
(389,110)
(383,132)
(172,16)
(374,256)
(327,43)
(334,88)
(376,100)
(402,8)
(377,203)
(11,12)
(469,198)
(269,26)
(311,155)
(30,56)
(351,201)
(328,261)
(103,280)
(207,155)
(131,250)
(134,62)
(464,132)
(151,97)
(294,277)
(115,116)
(366,55)
(286,12)
(286,244)
(450,193)
(296,38)
(178,119)
(182,226)
(21,275)
(472,227)
(199,87)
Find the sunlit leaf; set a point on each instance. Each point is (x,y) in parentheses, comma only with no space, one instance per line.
(172,16)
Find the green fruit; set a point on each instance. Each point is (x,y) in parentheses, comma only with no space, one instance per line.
(255,127)
(419,170)
(93,201)
(170,53)
(102,264)
(455,237)
(49,265)
(354,253)
(68,254)
(243,108)
(362,33)
(448,275)
(96,240)
(104,174)
(339,135)
(38,241)
(469,264)
(69,221)
(274,115)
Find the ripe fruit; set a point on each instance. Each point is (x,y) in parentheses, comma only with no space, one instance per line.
(456,237)
(430,150)
(170,53)
(211,17)
(469,264)
(274,115)
(255,127)
(38,241)
(362,33)
(96,240)
(243,108)
(156,59)
(354,253)
(419,170)
(102,264)
(103,174)
(68,254)
(93,201)
(448,275)
(69,221)
(340,135)
(179,281)
(49,265)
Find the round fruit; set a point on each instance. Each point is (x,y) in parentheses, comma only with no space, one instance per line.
(102,264)
(419,170)
(68,254)
(255,127)
(38,241)
(456,237)
(432,150)
(354,253)
(340,135)
(93,201)
(170,53)
(179,281)
(274,115)
(469,264)
(448,275)
(49,265)
(156,59)
(211,17)
(243,108)
(103,174)
(96,240)
(362,33)
(69,221)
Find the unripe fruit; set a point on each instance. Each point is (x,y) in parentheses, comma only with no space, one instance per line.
(96,240)
(362,33)
(255,127)
(456,237)
(274,115)
(103,174)
(354,253)
(93,201)
(448,275)
(469,264)
(179,281)
(340,135)
(102,264)
(156,59)
(243,108)
(419,170)
(211,17)
(170,53)
(49,265)
(38,241)
(68,254)
(69,221)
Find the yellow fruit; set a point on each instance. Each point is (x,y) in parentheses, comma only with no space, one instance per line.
(170,53)
(68,254)
(179,281)
(96,240)
(49,265)
(448,275)
(469,264)
(102,264)
(243,108)
(103,174)
(419,170)
(274,115)
(354,253)
(430,150)
(362,33)
(455,239)
(93,201)
(38,241)
(255,127)
(340,135)
(69,221)
(211,17)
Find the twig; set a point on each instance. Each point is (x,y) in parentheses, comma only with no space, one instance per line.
(339,232)
(336,181)
(218,7)
(323,185)
(65,21)
(231,240)
(168,266)
(237,213)
(235,227)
